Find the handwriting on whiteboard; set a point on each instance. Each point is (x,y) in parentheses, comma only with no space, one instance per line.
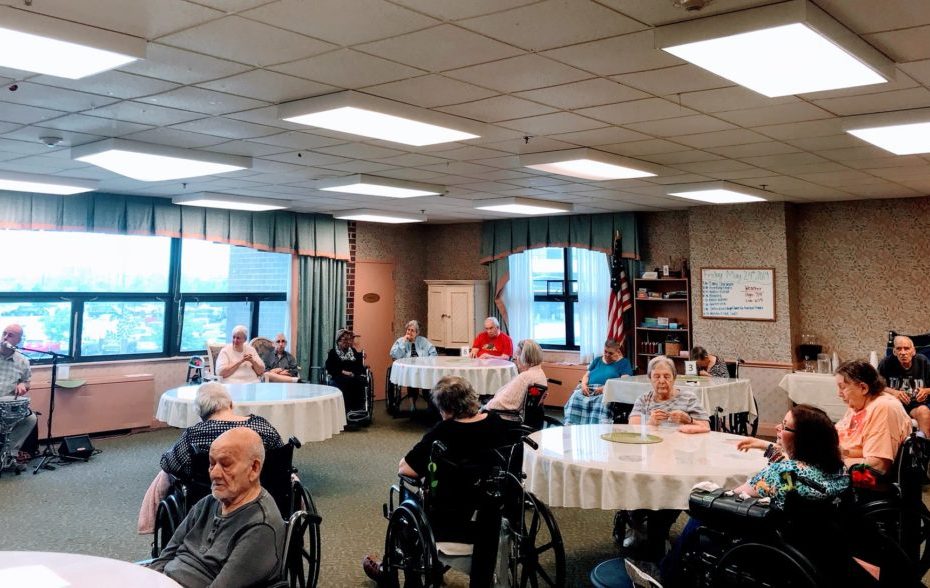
(738,293)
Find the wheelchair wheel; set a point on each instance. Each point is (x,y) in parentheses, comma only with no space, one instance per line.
(168,516)
(410,556)
(310,544)
(758,565)
(540,557)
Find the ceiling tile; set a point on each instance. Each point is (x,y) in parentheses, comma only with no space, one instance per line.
(34,95)
(450,47)
(200,100)
(113,83)
(339,23)
(919,70)
(139,112)
(526,72)
(269,45)
(814,128)
(548,124)
(247,148)
(685,125)
(553,23)
(775,114)
(673,80)
(638,148)
(782,161)
(175,138)
(430,91)
(470,153)
(31,134)
(183,67)
(898,100)
(601,136)
(903,45)
(866,16)
(132,17)
(829,142)
(358,166)
(19,113)
(732,98)
(582,94)
(92,125)
(497,109)
(348,69)
(901,81)
(753,149)
(624,54)
(656,13)
(412,160)
(456,9)
(721,138)
(267,85)
(682,157)
(360,151)
(711,167)
(636,111)
(230,129)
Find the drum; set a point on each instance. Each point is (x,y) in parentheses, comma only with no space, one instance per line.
(12,410)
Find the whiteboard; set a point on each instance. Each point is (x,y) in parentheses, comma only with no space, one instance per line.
(739,294)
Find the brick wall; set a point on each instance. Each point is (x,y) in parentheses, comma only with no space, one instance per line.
(350,277)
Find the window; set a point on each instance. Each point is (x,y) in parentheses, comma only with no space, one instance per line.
(99,296)
(555,297)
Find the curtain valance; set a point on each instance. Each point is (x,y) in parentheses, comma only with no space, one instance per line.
(501,238)
(315,235)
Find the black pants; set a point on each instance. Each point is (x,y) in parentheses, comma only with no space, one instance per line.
(353,391)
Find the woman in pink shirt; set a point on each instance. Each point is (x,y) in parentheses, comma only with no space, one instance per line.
(529,360)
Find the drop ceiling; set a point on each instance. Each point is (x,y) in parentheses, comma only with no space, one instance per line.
(542,75)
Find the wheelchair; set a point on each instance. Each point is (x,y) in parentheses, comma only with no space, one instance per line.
(533,412)
(807,544)
(395,396)
(292,498)
(361,417)
(509,537)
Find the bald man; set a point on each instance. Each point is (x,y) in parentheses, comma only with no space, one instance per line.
(15,377)
(235,536)
(906,364)
(280,366)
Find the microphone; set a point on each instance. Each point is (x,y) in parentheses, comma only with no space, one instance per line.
(8,345)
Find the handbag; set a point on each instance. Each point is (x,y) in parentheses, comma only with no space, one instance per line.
(723,508)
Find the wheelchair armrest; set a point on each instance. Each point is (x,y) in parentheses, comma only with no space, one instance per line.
(295,442)
(554,381)
(410,481)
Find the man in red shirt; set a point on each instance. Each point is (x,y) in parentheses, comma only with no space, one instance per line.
(492,343)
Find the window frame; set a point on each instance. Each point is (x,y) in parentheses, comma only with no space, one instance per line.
(173,300)
(568,297)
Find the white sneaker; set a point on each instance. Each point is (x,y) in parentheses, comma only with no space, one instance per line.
(643,574)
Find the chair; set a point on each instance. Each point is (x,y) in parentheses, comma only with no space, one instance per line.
(921,343)
(213,351)
(506,522)
(738,422)
(263,346)
(395,395)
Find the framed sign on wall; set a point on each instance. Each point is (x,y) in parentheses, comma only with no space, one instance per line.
(738,293)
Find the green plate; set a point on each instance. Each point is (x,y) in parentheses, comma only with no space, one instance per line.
(630,438)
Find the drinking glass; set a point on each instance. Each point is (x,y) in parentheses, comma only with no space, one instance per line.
(823,363)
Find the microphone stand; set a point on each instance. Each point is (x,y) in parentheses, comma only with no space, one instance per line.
(49,454)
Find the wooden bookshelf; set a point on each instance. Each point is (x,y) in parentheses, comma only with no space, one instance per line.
(677,310)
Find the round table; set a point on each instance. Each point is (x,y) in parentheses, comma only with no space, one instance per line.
(815,389)
(574,467)
(38,568)
(486,375)
(310,412)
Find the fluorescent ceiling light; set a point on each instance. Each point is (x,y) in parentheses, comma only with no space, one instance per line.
(520,205)
(778,50)
(905,139)
(377,216)
(19,182)
(588,164)
(147,162)
(717,193)
(369,116)
(230,202)
(378,186)
(41,44)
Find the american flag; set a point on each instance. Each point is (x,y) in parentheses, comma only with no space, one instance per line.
(620,299)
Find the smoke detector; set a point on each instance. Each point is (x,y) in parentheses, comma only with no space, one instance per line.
(692,5)
(50,141)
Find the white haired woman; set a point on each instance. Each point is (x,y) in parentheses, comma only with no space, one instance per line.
(238,362)
(511,395)
(412,344)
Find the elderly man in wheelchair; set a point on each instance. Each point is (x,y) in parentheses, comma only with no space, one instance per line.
(462,505)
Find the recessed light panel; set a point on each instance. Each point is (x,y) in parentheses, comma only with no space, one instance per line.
(525,206)
(377,216)
(229,202)
(906,139)
(378,186)
(19,182)
(370,116)
(153,163)
(777,50)
(717,193)
(588,164)
(41,44)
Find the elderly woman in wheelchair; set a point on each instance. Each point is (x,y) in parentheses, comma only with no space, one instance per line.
(461,505)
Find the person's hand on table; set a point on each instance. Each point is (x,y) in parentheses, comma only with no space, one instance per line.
(657,416)
(748,443)
(703,373)
(922,394)
(680,417)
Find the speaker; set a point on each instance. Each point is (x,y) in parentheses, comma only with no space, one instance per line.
(76,447)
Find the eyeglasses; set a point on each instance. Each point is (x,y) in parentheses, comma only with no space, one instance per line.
(785,427)
(280,341)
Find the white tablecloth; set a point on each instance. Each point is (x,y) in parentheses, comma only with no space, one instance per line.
(38,568)
(729,394)
(486,375)
(309,412)
(574,467)
(816,389)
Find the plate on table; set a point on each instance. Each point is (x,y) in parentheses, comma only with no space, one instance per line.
(630,438)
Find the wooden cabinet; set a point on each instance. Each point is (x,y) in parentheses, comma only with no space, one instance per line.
(673,302)
(456,310)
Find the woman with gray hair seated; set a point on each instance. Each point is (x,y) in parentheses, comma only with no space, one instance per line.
(412,344)
(238,362)
(216,411)
(529,361)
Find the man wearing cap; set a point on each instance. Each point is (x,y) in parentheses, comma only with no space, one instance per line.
(345,365)
(15,376)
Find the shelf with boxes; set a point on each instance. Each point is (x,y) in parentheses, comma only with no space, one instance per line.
(662,315)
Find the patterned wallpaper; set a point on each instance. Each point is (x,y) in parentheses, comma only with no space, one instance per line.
(454,251)
(862,273)
(661,239)
(748,235)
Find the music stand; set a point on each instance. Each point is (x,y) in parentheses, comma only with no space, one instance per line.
(49,454)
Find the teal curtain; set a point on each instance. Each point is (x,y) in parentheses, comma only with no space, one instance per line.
(321,308)
(499,273)
(307,234)
(500,238)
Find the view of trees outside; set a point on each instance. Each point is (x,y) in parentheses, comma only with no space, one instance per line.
(91,263)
